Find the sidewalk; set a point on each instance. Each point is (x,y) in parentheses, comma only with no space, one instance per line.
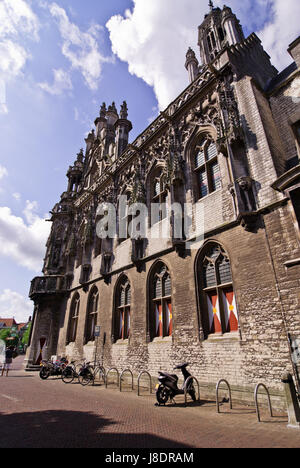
(36,413)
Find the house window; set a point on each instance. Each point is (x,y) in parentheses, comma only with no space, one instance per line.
(216,291)
(73,321)
(92,312)
(159,199)
(122,316)
(206,168)
(161,303)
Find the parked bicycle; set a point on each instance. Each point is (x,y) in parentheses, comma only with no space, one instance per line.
(71,372)
(89,372)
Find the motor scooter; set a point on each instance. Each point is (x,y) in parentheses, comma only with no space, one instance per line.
(168,388)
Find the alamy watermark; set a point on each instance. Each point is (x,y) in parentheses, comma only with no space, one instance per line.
(159,221)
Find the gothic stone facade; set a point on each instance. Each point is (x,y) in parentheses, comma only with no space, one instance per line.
(229,143)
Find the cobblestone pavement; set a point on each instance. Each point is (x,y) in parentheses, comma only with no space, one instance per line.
(36,413)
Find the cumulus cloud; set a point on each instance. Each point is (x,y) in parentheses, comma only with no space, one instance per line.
(80,48)
(23,239)
(13,304)
(282,29)
(154,36)
(62,82)
(3,172)
(17,21)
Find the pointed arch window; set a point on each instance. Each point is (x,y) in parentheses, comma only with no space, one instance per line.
(122,312)
(124,218)
(159,197)
(206,168)
(216,291)
(161,318)
(92,315)
(73,320)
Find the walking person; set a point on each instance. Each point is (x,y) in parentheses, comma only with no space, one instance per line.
(8,360)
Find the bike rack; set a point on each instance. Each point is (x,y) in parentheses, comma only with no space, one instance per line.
(126,370)
(109,370)
(256,403)
(185,387)
(217,393)
(139,377)
(98,372)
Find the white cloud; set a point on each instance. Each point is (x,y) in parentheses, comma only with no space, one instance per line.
(80,48)
(24,240)
(13,304)
(62,82)
(17,22)
(154,37)
(281,30)
(16,17)
(3,172)
(17,196)
(12,59)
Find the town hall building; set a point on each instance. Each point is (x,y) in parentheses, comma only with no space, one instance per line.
(222,294)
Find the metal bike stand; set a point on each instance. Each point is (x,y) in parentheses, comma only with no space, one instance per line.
(139,377)
(98,371)
(109,370)
(185,387)
(217,393)
(126,370)
(256,403)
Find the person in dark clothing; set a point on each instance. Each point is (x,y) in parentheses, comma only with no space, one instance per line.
(8,360)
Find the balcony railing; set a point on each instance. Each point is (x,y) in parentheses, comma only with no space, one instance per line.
(47,285)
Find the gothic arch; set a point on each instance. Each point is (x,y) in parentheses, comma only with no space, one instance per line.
(159,301)
(73,318)
(121,315)
(202,156)
(91,314)
(216,303)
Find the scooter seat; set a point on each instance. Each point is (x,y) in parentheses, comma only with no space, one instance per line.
(172,376)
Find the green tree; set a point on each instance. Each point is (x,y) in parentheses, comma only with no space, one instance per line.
(25,338)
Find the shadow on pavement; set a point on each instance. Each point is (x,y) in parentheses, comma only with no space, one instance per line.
(71,429)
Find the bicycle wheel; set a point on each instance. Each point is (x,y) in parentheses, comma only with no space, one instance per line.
(68,375)
(86,376)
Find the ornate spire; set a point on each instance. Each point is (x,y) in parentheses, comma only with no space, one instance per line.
(211,5)
(103,110)
(124,111)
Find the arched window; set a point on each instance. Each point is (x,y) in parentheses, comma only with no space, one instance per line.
(122,312)
(206,168)
(92,313)
(73,320)
(217,298)
(159,198)
(161,320)
(124,217)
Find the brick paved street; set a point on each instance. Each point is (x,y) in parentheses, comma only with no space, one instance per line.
(36,413)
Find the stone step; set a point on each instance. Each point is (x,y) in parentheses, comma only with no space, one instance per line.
(32,368)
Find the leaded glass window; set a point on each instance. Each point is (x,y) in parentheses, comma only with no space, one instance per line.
(206,168)
(92,313)
(217,293)
(123,302)
(73,320)
(161,303)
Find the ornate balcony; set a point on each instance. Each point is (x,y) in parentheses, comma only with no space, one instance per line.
(47,285)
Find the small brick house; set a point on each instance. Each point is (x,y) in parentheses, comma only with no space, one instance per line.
(227,301)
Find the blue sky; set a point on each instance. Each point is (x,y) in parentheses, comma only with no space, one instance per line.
(59,60)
